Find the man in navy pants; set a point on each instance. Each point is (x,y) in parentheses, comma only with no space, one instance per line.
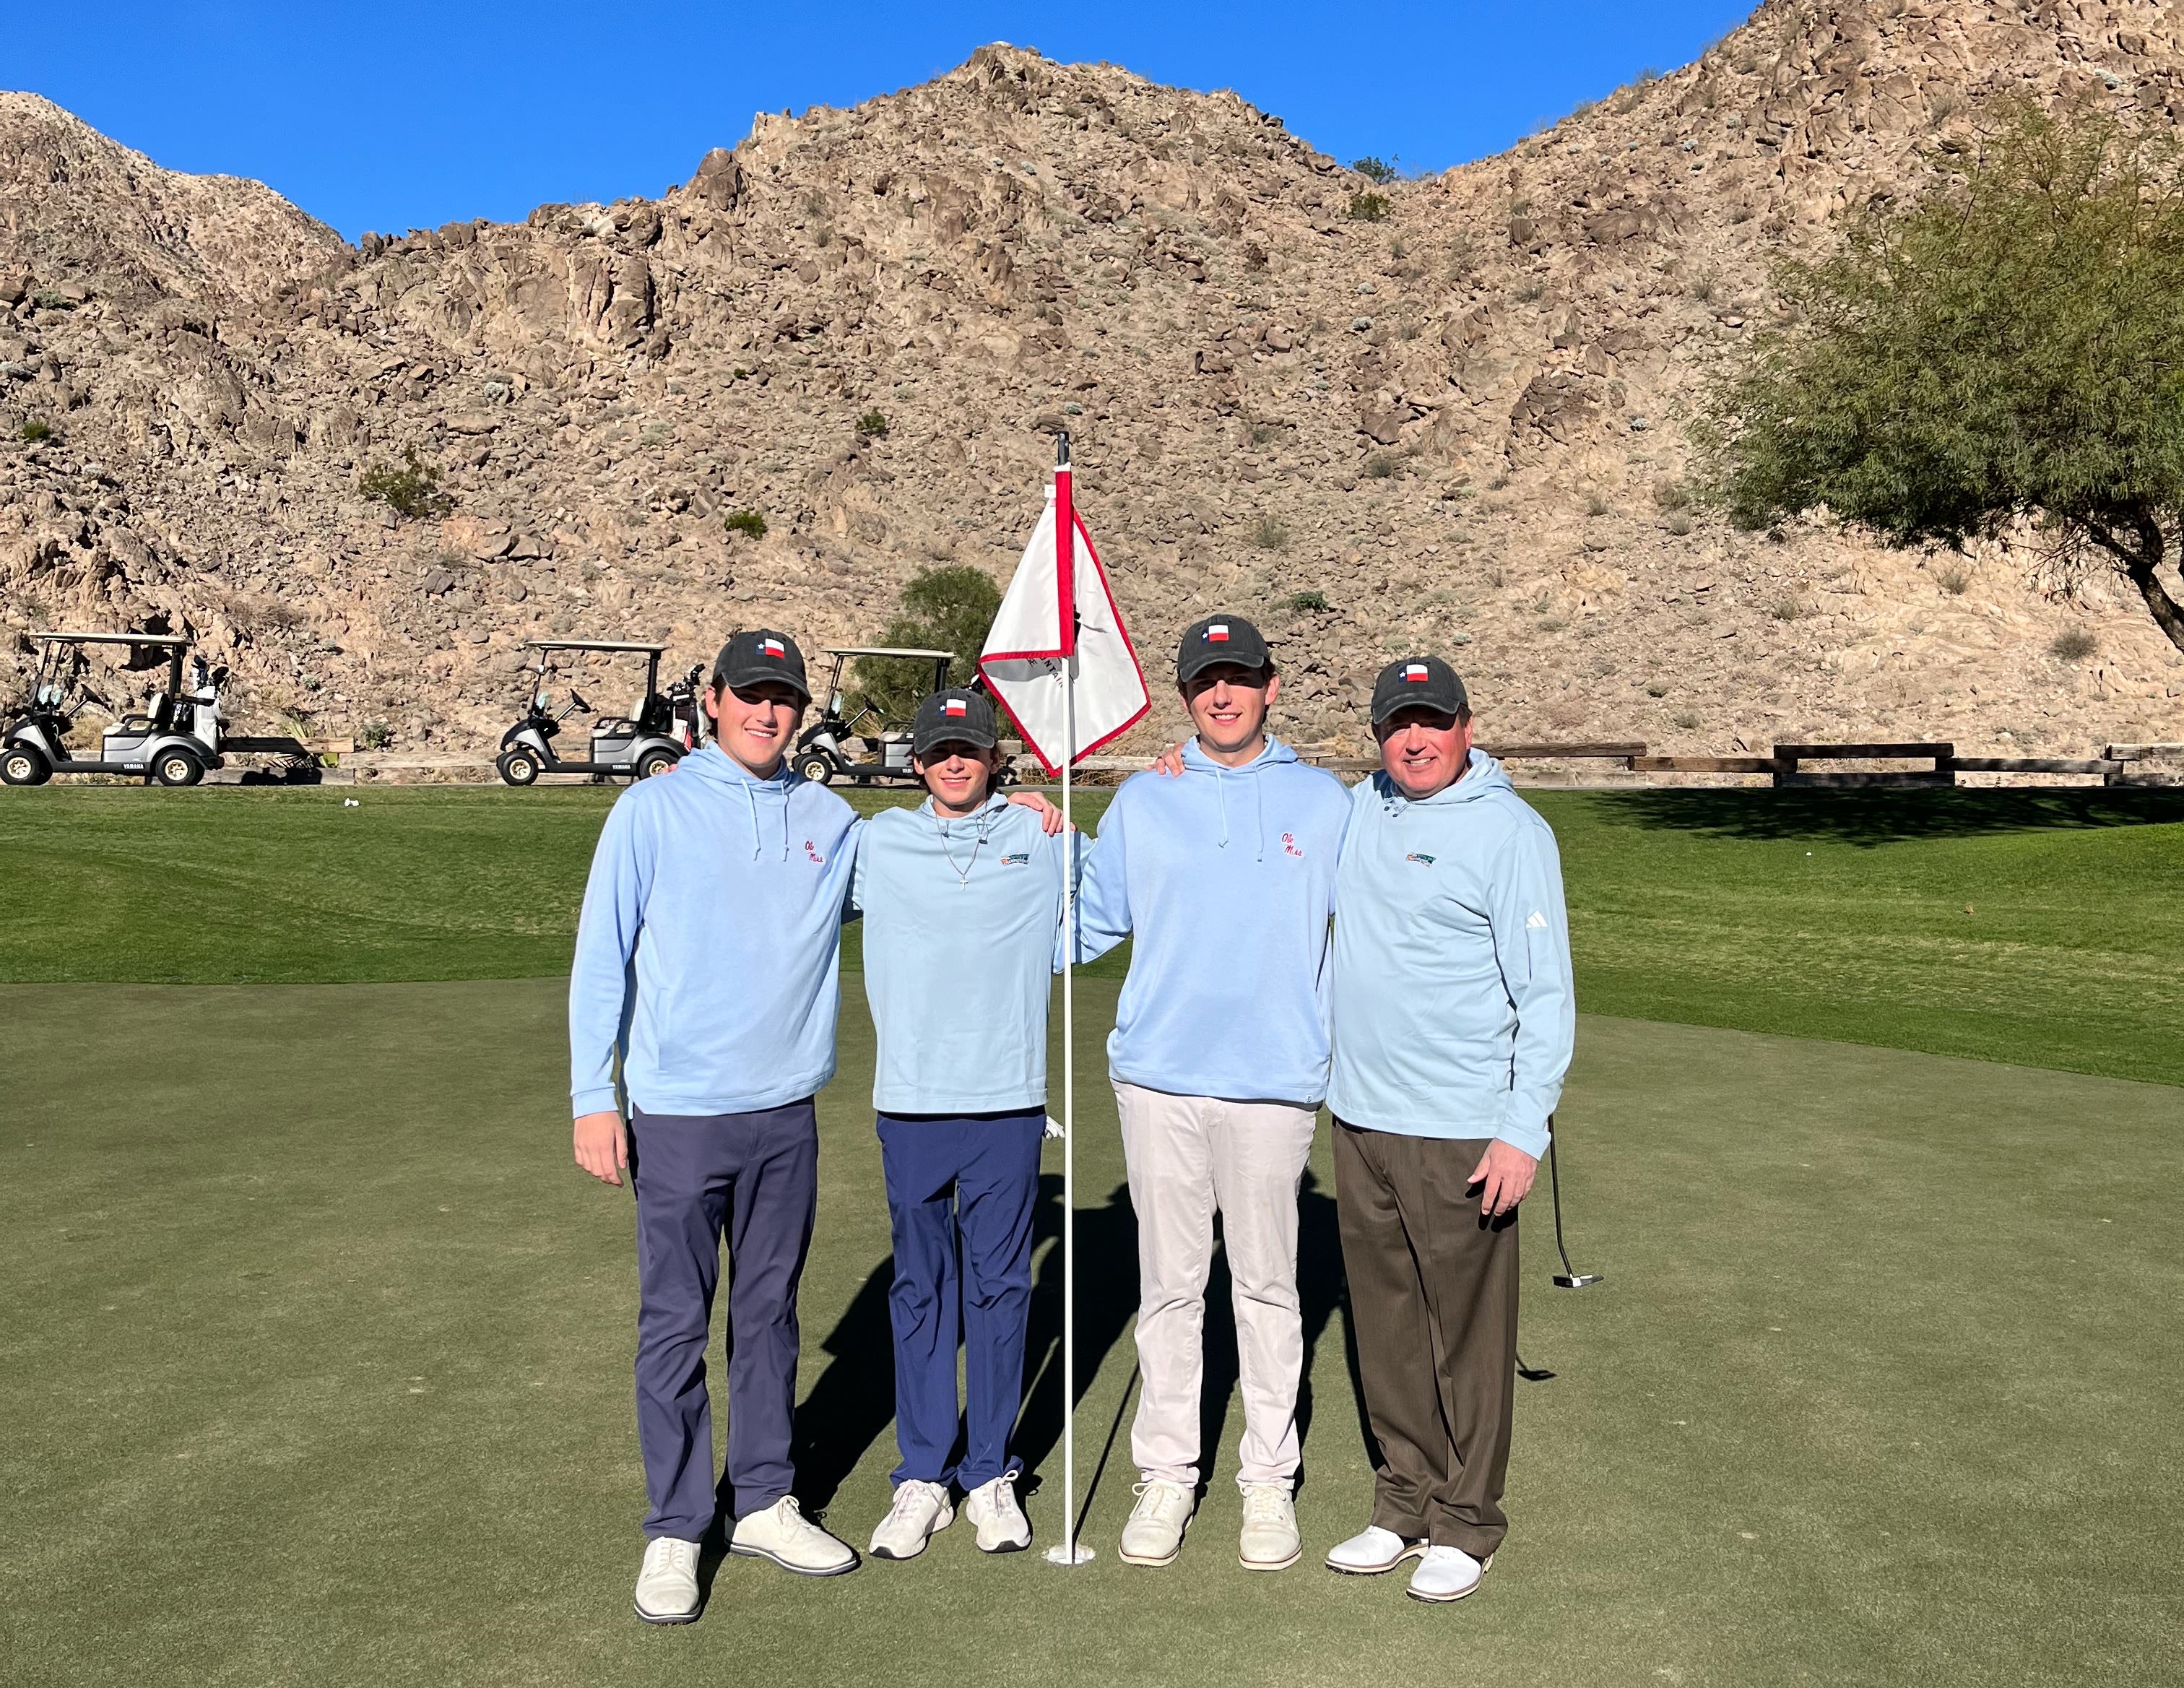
(706,965)
(962,901)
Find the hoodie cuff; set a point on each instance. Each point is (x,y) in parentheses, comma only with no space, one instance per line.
(599,1101)
(1527,1130)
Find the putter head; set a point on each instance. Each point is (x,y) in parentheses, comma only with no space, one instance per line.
(1576,1280)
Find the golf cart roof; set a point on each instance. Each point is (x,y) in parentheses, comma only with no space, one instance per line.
(888,650)
(110,638)
(593,644)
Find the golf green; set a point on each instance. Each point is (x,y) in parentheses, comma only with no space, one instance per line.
(316,1366)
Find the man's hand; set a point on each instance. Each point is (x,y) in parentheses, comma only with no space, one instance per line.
(1049,817)
(602,1146)
(1506,1170)
(1168,762)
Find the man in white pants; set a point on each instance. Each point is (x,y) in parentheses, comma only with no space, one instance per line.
(1225,875)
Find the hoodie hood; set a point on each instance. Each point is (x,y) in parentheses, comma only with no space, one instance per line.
(716,766)
(1276,755)
(1482,777)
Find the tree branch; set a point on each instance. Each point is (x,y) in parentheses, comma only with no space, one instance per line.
(2138,566)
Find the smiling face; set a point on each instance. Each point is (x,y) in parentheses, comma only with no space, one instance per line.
(957,774)
(1227,705)
(1424,750)
(756,724)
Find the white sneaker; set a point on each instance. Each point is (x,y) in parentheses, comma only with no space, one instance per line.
(1002,1526)
(1447,1574)
(921,1510)
(667,1586)
(1270,1542)
(783,1535)
(1372,1551)
(1153,1534)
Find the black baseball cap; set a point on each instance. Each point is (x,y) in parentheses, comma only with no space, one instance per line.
(1418,682)
(754,658)
(958,715)
(1220,638)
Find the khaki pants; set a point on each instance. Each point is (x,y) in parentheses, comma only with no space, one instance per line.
(1433,1304)
(1189,1157)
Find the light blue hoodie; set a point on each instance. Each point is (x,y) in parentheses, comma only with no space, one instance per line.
(1454,1015)
(708,954)
(1226,876)
(960,919)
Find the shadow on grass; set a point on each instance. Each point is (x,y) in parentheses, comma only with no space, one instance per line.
(1868,818)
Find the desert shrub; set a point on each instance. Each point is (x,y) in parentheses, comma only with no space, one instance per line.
(1307,600)
(872,425)
(32,431)
(1594,505)
(947,609)
(374,735)
(1380,465)
(1786,609)
(1673,495)
(1374,170)
(1367,208)
(2074,644)
(410,489)
(1268,534)
(1952,581)
(748,522)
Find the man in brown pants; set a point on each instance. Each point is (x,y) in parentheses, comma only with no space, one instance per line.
(1454,1018)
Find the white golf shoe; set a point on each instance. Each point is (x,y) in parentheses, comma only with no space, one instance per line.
(668,1586)
(1153,1534)
(1270,1542)
(1371,1551)
(992,1506)
(782,1533)
(1447,1574)
(921,1511)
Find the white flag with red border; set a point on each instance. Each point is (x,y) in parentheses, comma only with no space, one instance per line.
(1060,613)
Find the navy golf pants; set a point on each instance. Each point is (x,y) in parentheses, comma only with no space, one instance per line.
(755,1177)
(960,1191)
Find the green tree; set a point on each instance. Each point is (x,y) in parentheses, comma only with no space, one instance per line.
(2009,346)
(947,609)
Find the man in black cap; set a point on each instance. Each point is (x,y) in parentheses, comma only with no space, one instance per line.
(706,970)
(1454,1016)
(1225,875)
(961,899)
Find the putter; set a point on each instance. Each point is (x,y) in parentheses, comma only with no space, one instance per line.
(1569,1278)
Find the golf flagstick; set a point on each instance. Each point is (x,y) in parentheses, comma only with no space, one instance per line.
(1067,1552)
(1059,659)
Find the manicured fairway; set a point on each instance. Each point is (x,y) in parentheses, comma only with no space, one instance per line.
(2036,926)
(314,1368)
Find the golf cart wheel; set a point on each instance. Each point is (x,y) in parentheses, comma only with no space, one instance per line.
(177,767)
(518,767)
(22,765)
(656,762)
(814,767)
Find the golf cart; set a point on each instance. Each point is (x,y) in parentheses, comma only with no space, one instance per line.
(650,739)
(173,739)
(860,748)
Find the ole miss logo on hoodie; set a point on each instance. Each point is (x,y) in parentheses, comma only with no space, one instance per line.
(811,849)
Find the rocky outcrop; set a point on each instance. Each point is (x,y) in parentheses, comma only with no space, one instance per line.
(1459,427)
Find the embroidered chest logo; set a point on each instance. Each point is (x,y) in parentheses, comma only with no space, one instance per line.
(1423,861)
(812,850)
(1290,846)
(1023,859)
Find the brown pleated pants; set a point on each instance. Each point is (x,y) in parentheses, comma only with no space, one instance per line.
(1433,1304)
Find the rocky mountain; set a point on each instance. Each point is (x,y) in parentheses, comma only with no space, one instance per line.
(1443,413)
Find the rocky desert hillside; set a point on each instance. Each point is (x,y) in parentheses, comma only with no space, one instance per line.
(1456,425)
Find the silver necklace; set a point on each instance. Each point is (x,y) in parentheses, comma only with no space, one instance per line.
(948,850)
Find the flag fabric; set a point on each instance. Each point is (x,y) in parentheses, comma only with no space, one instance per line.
(1060,610)
(955,706)
(771,647)
(1415,674)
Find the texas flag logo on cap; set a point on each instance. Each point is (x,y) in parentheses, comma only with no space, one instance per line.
(1217,633)
(954,707)
(772,648)
(1414,674)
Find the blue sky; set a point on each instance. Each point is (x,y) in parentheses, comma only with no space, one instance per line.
(401,114)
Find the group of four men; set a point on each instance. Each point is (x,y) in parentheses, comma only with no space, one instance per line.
(1398,952)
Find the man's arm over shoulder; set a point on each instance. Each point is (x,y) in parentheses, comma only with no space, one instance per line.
(615,899)
(1531,941)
